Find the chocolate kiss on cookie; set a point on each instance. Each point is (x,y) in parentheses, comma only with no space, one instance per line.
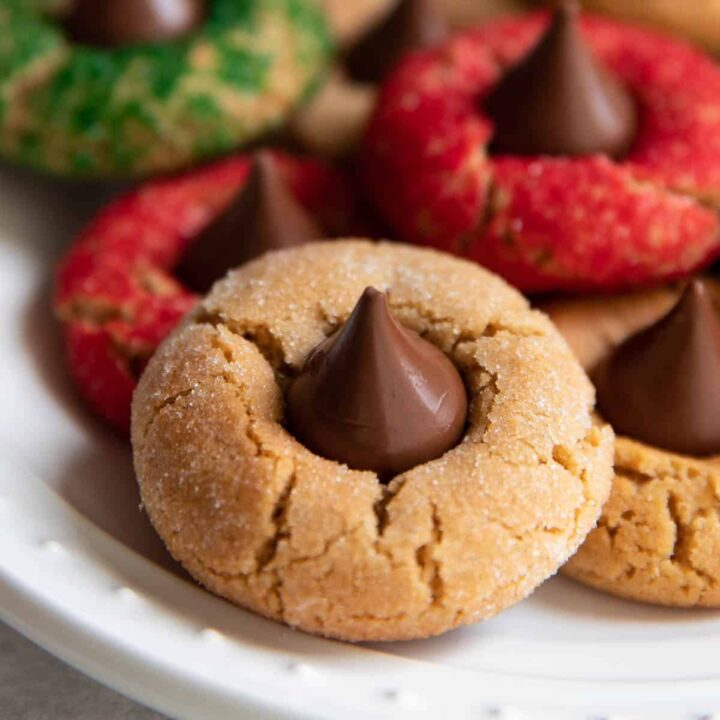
(662,386)
(411,25)
(116,23)
(558,101)
(263,216)
(377,396)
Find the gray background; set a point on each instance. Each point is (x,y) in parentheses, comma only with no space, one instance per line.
(36,686)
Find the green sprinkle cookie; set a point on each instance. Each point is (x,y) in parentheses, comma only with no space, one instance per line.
(82,109)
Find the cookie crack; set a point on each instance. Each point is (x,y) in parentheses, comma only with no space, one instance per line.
(565,458)
(674,513)
(267,552)
(678,555)
(381,510)
(282,532)
(430,568)
(634,476)
(259,334)
(327,547)
(167,402)
(431,321)
(422,313)
(489,386)
(329,322)
(487,394)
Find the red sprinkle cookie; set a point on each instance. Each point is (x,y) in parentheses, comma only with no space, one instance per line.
(552,221)
(117,294)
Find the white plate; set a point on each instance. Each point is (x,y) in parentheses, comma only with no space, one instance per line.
(82,573)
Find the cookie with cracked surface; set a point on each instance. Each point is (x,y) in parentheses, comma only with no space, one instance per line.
(561,222)
(259,519)
(121,92)
(658,536)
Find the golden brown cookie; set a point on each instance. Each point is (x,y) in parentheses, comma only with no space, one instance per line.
(658,539)
(698,20)
(259,519)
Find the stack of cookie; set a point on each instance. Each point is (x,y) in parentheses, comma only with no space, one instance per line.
(654,356)
(374,440)
(580,155)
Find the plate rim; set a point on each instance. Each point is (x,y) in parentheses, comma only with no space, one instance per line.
(25,607)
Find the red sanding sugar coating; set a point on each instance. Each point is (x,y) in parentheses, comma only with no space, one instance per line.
(116,295)
(568,224)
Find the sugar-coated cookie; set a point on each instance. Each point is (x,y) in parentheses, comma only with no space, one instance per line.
(79,98)
(549,220)
(658,536)
(261,520)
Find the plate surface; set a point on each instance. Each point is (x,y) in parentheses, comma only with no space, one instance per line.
(83,574)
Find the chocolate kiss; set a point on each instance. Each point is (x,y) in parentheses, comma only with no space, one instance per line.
(377,396)
(411,25)
(115,23)
(558,101)
(662,386)
(263,216)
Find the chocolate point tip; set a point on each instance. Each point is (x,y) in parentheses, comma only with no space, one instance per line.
(373,296)
(694,302)
(568,10)
(263,170)
(697,307)
(371,315)
(695,288)
(264,161)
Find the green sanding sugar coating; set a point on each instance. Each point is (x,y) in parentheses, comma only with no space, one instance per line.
(85,111)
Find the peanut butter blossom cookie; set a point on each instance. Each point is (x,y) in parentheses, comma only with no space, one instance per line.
(655,360)
(369,442)
(698,20)
(131,87)
(564,153)
(137,268)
